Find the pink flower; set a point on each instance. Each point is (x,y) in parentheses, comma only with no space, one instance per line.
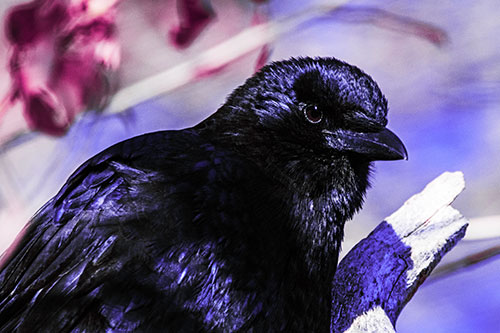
(63,53)
(194,16)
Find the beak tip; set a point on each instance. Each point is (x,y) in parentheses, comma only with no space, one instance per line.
(393,143)
(387,146)
(404,153)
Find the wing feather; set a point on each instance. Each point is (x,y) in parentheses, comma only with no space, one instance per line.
(76,242)
(104,252)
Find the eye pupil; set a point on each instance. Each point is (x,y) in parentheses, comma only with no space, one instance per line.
(313,114)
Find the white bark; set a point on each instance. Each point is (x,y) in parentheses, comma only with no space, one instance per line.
(383,271)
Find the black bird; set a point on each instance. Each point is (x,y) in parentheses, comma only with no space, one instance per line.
(234,224)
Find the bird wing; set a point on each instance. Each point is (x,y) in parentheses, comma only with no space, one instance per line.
(86,259)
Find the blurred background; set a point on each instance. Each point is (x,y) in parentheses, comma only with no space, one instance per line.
(79,75)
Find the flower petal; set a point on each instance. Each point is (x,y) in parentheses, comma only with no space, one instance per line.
(63,53)
(28,22)
(194,16)
(43,112)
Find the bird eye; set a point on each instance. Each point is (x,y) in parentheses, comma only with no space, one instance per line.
(312,113)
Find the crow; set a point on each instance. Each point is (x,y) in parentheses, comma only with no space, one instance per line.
(234,224)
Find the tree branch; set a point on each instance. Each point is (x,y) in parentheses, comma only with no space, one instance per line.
(382,272)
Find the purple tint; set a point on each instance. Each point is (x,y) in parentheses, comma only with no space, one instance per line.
(194,16)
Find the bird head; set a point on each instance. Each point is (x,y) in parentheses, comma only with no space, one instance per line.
(310,120)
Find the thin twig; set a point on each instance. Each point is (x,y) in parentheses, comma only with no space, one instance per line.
(483,228)
(231,49)
(17,139)
(470,260)
(5,104)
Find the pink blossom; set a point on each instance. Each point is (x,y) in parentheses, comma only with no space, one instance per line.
(63,53)
(194,16)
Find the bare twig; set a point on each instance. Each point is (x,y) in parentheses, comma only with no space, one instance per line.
(391,21)
(256,37)
(483,228)
(231,49)
(470,260)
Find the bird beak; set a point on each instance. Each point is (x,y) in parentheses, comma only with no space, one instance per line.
(374,146)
